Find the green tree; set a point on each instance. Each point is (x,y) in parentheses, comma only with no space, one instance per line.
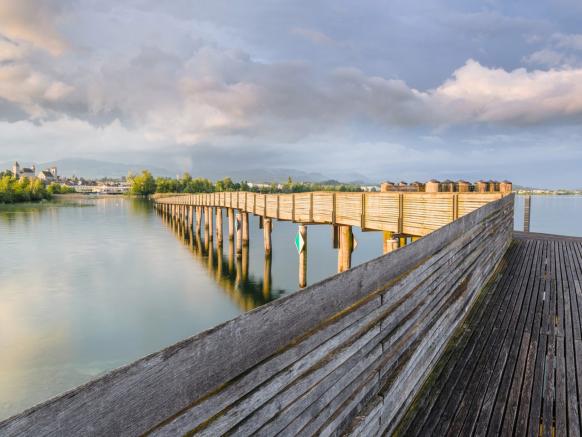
(143,184)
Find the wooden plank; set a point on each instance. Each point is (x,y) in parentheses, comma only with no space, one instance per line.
(486,364)
(456,361)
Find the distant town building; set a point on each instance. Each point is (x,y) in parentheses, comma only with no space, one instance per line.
(23,172)
(49,176)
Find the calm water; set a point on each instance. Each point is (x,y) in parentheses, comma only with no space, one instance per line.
(85,289)
(89,287)
(552,214)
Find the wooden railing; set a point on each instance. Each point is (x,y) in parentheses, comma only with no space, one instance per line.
(348,354)
(402,213)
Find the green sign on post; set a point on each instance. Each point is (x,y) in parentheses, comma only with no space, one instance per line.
(299,242)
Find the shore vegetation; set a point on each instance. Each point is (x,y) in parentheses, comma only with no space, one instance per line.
(145,184)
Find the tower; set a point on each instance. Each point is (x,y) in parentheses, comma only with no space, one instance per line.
(16,169)
(53,171)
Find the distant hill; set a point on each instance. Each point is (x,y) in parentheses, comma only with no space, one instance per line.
(273,175)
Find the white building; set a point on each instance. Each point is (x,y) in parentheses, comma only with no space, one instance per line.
(48,176)
(23,172)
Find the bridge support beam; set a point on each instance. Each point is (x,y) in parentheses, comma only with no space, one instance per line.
(303,258)
(190,217)
(230,212)
(267,227)
(208,223)
(239,241)
(245,228)
(346,246)
(198,219)
(390,243)
(218,225)
(526,213)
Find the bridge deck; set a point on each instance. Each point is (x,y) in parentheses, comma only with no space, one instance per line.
(515,366)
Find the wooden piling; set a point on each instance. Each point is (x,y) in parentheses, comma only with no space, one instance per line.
(218,225)
(267,226)
(208,222)
(526,213)
(190,217)
(346,243)
(198,219)
(390,242)
(230,224)
(245,228)
(239,240)
(303,257)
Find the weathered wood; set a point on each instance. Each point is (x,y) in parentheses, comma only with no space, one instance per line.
(303,257)
(267,229)
(218,223)
(346,246)
(230,224)
(414,213)
(524,378)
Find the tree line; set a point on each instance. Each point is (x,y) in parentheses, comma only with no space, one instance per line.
(145,184)
(13,190)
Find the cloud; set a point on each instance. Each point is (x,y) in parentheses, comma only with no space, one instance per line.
(480,94)
(546,57)
(571,41)
(34,22)
(315,36)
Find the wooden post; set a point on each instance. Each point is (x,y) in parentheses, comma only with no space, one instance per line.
(245,228)
(267,224)
(218,226)
(198,219)
(526,213)
(390,243)
(190,217)
(335,236)
(239,241)
(303,258)
(346,242)
(231,223)
(208,220)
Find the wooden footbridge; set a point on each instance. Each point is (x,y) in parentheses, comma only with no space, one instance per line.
(401,216)
(468,330)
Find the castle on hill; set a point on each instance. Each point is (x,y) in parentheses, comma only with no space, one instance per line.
(46,176)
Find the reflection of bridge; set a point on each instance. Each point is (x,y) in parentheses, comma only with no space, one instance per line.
(230,272)
(465,331)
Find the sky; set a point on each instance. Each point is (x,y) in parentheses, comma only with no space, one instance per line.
(392,90)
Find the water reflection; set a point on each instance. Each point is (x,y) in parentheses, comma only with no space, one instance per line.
(229,269)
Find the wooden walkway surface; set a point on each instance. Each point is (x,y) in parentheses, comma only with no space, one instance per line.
(515,365)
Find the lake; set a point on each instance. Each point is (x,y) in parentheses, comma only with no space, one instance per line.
(87,287)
